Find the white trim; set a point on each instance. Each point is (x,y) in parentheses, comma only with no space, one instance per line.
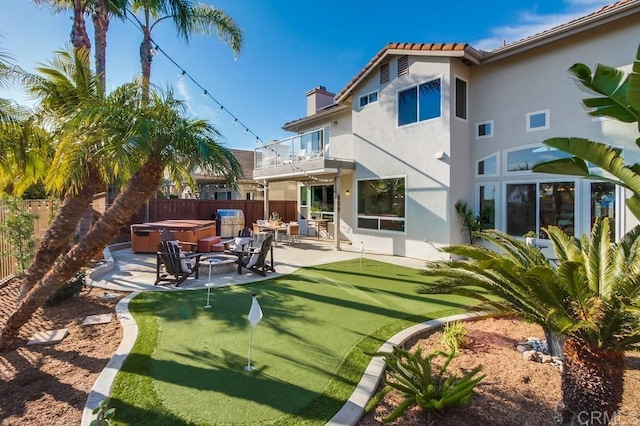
(477,129)
(398,219)
(547,120)
(496,174)
(417,85)
(455,98)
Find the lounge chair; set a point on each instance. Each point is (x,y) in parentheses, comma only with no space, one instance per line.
(256,260)
(293,232)
(174,265)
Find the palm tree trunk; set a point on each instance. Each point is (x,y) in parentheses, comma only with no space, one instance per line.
(101,26)
(140,187)
(592,384)
(58,235)
(146,58)
(79,36)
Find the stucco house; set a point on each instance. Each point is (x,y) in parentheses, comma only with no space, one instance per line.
(423,125)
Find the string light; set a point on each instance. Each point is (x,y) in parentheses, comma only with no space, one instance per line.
(205,94)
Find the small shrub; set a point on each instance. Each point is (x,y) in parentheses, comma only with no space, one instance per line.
(104,414)
(423,385)
(18,229)
(71,288)
(454,336)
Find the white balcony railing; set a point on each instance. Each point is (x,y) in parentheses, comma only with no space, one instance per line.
(303,147)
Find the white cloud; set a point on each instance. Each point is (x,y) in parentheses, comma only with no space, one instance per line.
(531,22)
(183,90)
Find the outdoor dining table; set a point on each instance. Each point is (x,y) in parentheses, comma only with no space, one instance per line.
(274,230)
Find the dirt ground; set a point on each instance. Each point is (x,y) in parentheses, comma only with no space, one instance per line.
(514,391)
(49,384)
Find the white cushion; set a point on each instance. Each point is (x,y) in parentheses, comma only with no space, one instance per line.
(184,265)
(254,258)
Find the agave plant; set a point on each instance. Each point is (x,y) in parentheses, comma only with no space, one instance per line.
(425,385)
(592,297)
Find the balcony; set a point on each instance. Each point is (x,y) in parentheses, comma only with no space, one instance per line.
(298,156)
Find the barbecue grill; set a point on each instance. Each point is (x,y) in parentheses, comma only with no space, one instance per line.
(231,222)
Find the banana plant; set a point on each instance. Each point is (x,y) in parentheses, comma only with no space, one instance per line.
(620,99)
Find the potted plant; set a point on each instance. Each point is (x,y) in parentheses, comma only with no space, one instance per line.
(314,211)
(530,238)
(275,219)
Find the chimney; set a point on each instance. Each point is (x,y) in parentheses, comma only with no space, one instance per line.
(318,98)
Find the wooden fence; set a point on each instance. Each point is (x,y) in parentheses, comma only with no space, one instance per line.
(162,209)
(44,209)
(159,209)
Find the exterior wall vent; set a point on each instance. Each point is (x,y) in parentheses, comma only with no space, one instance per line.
(384,73)
(403,66)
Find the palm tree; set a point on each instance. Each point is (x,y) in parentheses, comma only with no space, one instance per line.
(137,144)
(188,18)
(590,298)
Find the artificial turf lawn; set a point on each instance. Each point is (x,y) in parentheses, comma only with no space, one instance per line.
(309,350)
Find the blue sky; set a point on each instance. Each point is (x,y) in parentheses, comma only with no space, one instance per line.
(290,47)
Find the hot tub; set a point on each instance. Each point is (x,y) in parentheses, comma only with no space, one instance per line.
(146,236)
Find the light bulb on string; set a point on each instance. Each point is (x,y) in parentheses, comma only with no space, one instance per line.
(220,109)
(245,131)
(235,121)
(205,94)
(181,75)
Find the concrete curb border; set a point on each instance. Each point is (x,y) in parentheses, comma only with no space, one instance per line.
(352,410)
(102,387)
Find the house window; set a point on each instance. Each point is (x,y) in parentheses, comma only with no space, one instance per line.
(419,103)
(381,204)
(532,206)
(484,129)
(487,166)
(487,206)
(461,99)
(524,159)
(384,73)
(403,66)
(603,203)
(368,99)
(538,120)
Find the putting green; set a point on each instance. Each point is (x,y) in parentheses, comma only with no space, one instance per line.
(307,350)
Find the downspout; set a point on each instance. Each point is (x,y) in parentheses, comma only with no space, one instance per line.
(337,187)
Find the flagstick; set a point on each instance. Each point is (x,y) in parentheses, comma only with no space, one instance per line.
(361,253)
(249,367)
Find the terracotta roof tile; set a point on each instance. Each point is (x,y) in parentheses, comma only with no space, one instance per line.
(439,47)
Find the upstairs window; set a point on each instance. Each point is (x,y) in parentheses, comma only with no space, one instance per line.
(484,129)
(420,103)
(538,120)
(368,99)
(384,73)
(461,99)
(403,66)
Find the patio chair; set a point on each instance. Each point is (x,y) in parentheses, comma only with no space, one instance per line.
(293,232)
(174,265)
(257,259)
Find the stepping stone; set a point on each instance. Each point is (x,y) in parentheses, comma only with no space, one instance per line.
(48,337)
(106,295)
(97,319)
